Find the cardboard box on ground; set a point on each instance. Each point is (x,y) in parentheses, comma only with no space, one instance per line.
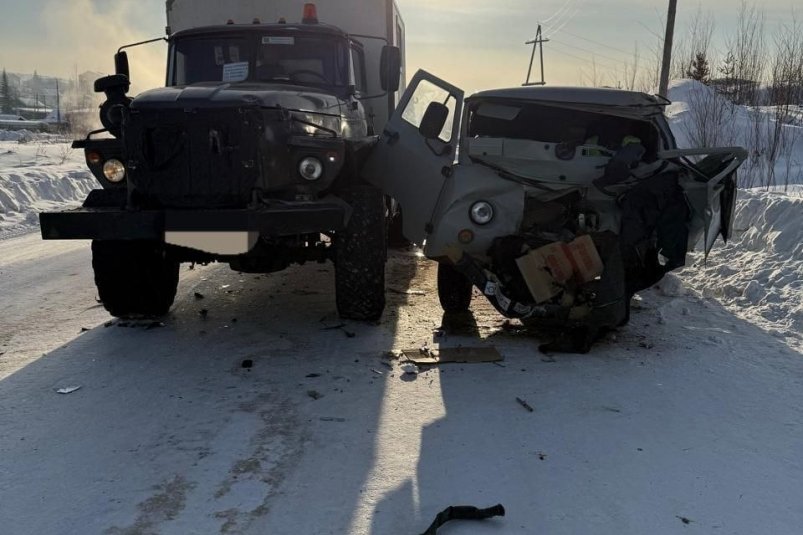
(546,269)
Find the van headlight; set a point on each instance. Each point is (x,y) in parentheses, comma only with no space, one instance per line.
(481,213)
(114,170)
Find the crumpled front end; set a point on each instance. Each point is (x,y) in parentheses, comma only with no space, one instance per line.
(569,231)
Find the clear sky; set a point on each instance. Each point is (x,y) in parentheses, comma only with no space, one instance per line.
(475,44)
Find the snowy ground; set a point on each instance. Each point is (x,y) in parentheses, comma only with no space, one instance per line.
(38,172)
(691,412)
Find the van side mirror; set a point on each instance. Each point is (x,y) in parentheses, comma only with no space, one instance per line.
(390,68)
(434,120)
(121,64)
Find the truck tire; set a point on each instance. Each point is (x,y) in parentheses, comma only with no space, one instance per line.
(454,289)
(360,254)
(134,278)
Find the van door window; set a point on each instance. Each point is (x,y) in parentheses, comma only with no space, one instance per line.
(425,93)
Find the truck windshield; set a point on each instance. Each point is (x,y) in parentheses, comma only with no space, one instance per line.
(298,59)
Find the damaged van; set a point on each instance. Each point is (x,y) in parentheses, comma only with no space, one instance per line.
(558,204)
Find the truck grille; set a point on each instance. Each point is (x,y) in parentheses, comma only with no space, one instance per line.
(197,158)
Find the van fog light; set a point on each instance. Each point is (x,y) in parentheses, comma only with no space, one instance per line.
(310,168)
(481,213)
(465,236)
(114,170)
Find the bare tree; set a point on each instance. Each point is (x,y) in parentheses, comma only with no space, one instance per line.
(785,93)
(711,118)
(697,40)
(745,56)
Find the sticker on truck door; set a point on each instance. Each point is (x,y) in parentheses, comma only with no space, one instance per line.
(419,142)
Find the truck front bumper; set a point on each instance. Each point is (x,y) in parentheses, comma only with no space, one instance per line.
(275,220)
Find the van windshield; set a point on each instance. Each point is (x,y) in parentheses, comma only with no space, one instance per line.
(263,57)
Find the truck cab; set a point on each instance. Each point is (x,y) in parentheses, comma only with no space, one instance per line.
(250,155)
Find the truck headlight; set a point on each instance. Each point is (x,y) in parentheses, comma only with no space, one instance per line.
(481,213)
(114,170)
(310,168)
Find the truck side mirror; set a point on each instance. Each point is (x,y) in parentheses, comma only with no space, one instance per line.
(390,68)
(121,64)
(434,120)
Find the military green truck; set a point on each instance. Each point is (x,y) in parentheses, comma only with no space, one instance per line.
(250,155)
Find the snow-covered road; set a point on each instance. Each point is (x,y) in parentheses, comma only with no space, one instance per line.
(689,421)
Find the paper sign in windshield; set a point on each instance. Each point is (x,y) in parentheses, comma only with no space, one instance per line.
(235,72)
(278,40)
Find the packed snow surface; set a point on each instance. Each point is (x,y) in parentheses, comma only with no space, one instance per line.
(38,172)
(759,274)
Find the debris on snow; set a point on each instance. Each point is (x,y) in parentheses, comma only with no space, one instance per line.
(406,292)
(525,404)
(409,368)
(314,394)
(462,355)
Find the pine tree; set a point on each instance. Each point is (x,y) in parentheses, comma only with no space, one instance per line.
(6,100)
(699,69)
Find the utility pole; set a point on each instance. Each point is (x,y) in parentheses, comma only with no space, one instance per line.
(538,42)
(670,31)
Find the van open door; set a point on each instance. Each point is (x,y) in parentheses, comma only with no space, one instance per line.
(710,191)
(416,151)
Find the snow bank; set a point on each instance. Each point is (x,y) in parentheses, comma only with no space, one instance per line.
(759,274)
(699,116)
(38,172)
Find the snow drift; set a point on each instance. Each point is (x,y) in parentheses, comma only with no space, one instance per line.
(759,274)
(38,172)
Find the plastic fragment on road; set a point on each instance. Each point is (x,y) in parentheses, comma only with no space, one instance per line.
(463,512)
(459,355)
(68,389)
(525,405)
(409,368)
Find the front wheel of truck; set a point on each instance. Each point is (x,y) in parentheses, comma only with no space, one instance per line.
(134,278)
(360,254)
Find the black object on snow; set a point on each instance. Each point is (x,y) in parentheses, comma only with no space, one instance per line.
(463,512)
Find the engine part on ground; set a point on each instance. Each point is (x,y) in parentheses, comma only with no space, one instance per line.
(463,512)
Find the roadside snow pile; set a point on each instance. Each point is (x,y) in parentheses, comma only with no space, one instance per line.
(700,117)
(38,172)
(759,274)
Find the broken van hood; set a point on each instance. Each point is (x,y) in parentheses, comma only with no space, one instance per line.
(225,94)
(630,104)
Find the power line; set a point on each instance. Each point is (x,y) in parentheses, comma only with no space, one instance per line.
(564,16)
(557,30)
(618,60)
(596,42)
(552,16)
(587,60)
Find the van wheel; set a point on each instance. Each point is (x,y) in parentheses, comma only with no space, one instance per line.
(454,289)
(134,278)
(360,254)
